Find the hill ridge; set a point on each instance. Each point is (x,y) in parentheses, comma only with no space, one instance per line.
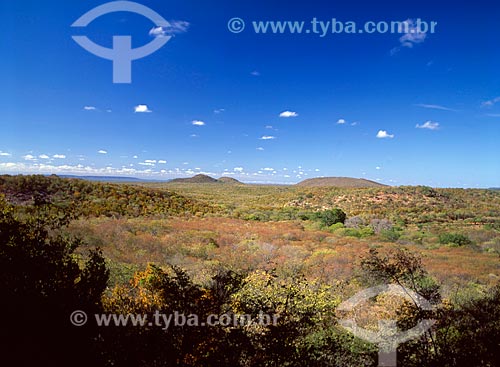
(348,182)
(203,179)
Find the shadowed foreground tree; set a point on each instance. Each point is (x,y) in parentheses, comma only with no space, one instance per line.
(41,283)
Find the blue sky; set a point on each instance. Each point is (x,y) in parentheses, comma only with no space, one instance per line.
(399,109)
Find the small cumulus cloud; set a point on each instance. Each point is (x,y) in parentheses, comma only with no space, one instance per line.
(198,123)
(288,114)
(4,154)
(260,148)
(43,156)
(89,108)
(428,125)
(267,137)
(102,151)
(58,156)
(174,27)
(238,169)
(341,121)
(162,161)
(219,110)
(412,35)
(382,134)
(29,157)
(142,108)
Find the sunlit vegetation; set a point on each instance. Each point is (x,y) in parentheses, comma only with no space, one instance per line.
(294,252)
(80,197)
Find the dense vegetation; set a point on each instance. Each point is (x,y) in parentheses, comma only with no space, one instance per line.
(86,198)
(70,245)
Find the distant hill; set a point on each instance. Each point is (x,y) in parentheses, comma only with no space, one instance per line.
(195,179)
(348,182)
(230,180)
(203,179)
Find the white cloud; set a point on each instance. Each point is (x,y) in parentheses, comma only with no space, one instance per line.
(341,121)
(267,137)
(29,157)
(8,165)
(142,108)
(491,102)
(288,114)
(162,161)
(260,148)
(58,156)
(198,123)
(428,125)
(43,156)
(4,154)
(378,168)
(102,151)
(411,35)
(150,164)
(79,169)
(150,161)
(382,134)
(219,110)
(238,169)
(158,32)
(174,27)
(89,108)
(434,107)
(268,169)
